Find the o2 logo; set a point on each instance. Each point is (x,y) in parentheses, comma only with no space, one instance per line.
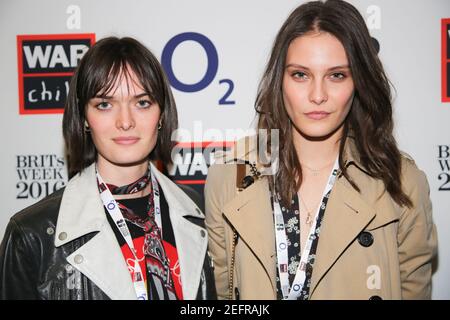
(211,70)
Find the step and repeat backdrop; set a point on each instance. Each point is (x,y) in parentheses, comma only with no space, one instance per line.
(214,53)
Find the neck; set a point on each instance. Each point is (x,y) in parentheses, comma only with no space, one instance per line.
(317,152)
(121,175)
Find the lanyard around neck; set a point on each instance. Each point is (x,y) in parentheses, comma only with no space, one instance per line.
(112,207)
(294,291)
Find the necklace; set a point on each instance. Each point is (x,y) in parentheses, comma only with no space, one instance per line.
(308,212)
(315,172)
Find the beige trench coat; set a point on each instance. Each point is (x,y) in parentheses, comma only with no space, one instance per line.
(397,265)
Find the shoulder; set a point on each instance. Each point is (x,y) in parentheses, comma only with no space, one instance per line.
(220,184)
(416,187)
(27,227)
(412,178)
(242,159)
(223,171)
(193,195)
(244,151)
(39,213)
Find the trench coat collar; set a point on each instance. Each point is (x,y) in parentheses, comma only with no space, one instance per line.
(81,212)
(347,214)
(350,155)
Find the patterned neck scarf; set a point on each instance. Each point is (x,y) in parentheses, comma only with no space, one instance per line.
(158,266)
(133,187)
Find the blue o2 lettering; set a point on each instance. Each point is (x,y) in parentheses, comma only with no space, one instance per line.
(211,53)
(211,70)
(230,84)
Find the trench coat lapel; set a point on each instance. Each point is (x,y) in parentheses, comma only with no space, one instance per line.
(347,214)
(250,214)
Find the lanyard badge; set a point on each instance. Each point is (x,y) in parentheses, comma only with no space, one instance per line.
(112,207)
(292,293)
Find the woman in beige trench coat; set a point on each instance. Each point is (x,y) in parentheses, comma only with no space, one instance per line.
(342,213)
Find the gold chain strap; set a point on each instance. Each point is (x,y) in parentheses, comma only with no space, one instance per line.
(231,273)
(241,184)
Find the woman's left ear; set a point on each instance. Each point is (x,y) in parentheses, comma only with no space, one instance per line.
(160,124)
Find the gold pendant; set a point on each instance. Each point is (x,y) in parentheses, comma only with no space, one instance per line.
(308,219)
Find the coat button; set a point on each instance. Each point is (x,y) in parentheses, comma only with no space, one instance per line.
(62,236)
(50,231)
(375,298)
(78,259)
(365,239)
(203,233)
(247,181)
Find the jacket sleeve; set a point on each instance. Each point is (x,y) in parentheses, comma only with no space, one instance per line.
(18,274)
(214,193)
(417,238)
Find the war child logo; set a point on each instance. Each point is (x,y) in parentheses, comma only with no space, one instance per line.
(45,66)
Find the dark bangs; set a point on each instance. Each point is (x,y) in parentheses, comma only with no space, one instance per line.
(114,60)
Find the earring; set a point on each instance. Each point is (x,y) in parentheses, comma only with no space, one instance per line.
(159,125)
(86,127)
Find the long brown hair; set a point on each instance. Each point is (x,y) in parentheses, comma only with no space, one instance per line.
(97,73)
(370,118)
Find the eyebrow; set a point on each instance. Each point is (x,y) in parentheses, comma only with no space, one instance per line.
(295,65)
(112,97)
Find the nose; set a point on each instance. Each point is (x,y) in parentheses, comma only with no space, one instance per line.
(125,120)
(318,93)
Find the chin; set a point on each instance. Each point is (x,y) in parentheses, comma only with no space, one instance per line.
(129,161)
(316,133)
(318,130)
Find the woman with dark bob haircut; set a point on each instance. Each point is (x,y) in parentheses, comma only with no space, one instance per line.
(120,229)
(346,215)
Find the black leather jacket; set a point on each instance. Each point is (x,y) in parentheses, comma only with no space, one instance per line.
(31,267)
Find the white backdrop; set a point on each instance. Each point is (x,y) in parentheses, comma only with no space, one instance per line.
(242,32)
